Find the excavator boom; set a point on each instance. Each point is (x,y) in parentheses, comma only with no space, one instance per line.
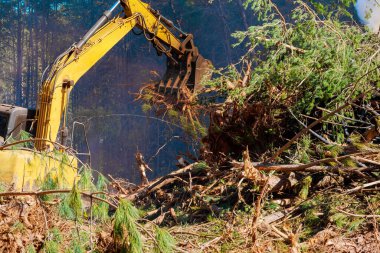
(185,64)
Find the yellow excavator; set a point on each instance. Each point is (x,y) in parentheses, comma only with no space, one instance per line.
(25,167)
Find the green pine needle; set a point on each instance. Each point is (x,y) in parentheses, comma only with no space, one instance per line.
(30,249)
(125,228)
(53,241)
(100,210)
(85,182)
(306,183)
(50,183)
(51,247)
(65,210)
(165,241)
(102,183)
(75,202)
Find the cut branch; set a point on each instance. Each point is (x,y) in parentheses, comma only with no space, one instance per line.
(41,193)
(358,188)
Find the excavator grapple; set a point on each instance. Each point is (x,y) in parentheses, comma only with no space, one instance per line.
(179,75)
(189,70)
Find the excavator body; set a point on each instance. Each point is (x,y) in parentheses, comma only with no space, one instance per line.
(25,163)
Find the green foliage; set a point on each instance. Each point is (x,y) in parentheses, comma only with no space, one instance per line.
(85,182)
(322,211)
(26,136)
(187,126)
(65,210)
(311,219)
(306,183)
(55,234)
(303,62)
(202,165)
(53,241)
(125,228)
(332,61)
(270,205)
(50,247)
(173,114)
(165,242)
(340,220)
(30,249)
(146,108)
(355,224)
(50,183)
(63,159)
(75,247)
(23,135)
(201,130)
(100,209)
(303,149)
(338,7)
(358,142)
(333,150)
(3,187)
(75,202)
(147,97)
(262,8)
(17,227)
(102,183)
(349,163)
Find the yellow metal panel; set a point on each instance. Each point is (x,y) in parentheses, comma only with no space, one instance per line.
(26,170)
(151,23)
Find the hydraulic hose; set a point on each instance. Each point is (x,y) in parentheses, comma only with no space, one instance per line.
(102,21)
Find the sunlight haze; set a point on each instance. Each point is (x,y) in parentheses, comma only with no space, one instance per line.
(369,13)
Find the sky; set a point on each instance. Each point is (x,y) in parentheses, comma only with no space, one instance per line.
(369,13)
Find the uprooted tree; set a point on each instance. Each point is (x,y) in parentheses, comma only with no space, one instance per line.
(299,68)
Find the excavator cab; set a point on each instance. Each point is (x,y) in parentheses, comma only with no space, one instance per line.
(14,119)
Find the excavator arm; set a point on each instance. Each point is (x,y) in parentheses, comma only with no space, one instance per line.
(185,65)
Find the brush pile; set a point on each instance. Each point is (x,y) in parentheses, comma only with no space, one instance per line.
(292,140)
(296,205)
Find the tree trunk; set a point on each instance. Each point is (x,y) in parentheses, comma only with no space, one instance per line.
(19,57)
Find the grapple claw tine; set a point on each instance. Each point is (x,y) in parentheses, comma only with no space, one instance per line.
(190,72)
